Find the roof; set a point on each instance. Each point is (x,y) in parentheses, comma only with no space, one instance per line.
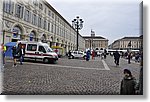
(130,38)
(96,37)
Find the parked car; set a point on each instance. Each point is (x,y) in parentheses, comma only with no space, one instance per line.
(78,54)
(39,50)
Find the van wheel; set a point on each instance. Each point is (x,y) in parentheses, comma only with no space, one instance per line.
(46,60)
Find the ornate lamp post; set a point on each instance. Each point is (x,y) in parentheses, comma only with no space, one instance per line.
(78,25)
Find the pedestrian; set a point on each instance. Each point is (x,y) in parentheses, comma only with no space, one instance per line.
(15,56)
(88,55)
(3,53)
(93,54)
(129,57)
(128,84)
(69,54)
(105,54)
(102,55)
(116,58)
(21,53)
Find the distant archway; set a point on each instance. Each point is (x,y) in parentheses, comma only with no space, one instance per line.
(43,39)
(32,36)
(17,34)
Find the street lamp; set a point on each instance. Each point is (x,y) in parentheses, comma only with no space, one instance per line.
(78,25)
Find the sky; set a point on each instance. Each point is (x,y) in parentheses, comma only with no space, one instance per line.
(112,19)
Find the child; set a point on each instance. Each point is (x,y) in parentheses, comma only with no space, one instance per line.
(128,84)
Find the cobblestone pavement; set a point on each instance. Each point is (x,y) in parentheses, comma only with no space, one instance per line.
(67,77)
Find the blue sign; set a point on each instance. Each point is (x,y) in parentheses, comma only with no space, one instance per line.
(15,35)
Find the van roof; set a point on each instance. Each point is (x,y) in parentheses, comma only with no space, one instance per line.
(32,42)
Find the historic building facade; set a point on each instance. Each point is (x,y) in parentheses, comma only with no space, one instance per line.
(95,42)
(37,20)
(125,43)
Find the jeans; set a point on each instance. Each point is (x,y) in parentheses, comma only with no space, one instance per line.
(3,57)
(21,59)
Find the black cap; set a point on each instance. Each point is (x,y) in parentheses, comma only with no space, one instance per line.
(127,71)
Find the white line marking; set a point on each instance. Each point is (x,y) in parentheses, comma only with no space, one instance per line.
(71,67)
(105,65)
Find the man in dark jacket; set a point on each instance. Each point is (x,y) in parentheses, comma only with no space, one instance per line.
(116,57)
(21,51)
(128,84)
(15,55)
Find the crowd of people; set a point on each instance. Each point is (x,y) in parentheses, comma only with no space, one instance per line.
(17,53)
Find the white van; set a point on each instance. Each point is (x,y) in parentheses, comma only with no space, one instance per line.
(39,50)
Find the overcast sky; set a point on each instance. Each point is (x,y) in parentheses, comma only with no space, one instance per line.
(112,19)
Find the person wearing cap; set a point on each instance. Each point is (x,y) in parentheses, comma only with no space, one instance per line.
(128,84)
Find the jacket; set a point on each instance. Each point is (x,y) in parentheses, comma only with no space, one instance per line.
(128,86)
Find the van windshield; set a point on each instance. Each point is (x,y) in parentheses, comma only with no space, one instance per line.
(48,49)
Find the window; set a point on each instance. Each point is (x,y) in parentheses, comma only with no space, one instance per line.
(42,49)
(27,16)
(53,15)
(34,19)
(52,30)
(75,53)
(39,21)
(8,6)
(35,2)
(31,47)
(41,6)
(45,24)
(45,10)
(48,26)
(49,13)
(19,11)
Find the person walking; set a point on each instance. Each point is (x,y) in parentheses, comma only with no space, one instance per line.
(129,57)
(21,53)
(128,84)
(3,53)
(15,56)
(88,55)
(69,54)
(117,58)
(105,54)
(93,54)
